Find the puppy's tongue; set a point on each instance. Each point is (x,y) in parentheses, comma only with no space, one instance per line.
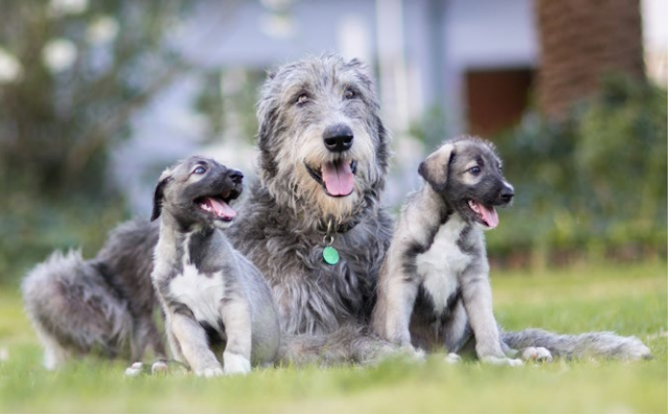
(488,214)
(338,178)
(220,208)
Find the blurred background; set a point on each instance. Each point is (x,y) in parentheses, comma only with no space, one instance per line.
(97,97)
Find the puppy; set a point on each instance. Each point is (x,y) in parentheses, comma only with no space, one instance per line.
(214,299)
(434,285)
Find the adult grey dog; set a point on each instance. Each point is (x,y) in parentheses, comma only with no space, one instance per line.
(434,286)
(212,296)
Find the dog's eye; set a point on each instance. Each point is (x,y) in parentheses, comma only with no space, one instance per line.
(302,99)
(199,170)
(349,93)
(474,170)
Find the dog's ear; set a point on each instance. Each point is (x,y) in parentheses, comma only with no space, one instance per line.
(165,178)
(435,169)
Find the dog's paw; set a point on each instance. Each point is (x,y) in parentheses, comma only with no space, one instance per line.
(160,367)
(210,372)
(452,358)
(134,370)
(415,354)
(502,361)
(537,354)
(235,364)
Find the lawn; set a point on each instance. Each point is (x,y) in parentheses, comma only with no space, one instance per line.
(630,299)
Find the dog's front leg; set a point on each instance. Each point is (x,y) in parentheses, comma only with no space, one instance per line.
(477,295)
(192,342)
(391,317)
(238,322)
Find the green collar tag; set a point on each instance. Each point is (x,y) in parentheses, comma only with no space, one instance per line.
(330,255)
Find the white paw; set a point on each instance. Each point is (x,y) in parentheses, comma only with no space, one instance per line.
(415,354)
(134,369)
(160,367)
(537,354)
(452,358)
(235,364)
(502,361)
(210,372)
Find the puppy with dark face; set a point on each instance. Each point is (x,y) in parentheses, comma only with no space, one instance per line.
(212,296)
(434,286)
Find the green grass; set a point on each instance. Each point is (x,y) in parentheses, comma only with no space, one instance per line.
(631,300)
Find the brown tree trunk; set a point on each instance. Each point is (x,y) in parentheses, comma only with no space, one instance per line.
(581,41)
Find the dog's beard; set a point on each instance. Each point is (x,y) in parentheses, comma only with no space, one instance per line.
(307,176)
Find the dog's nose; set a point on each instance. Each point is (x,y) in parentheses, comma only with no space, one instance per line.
(235,176)
(338,138)
(507,193)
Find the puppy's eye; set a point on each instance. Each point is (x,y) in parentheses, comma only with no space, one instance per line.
(302,99)
(475,170)
(199,170)
(349,93)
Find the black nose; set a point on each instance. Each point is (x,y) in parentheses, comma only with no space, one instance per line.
(507,194)
(338,138)
(235,176)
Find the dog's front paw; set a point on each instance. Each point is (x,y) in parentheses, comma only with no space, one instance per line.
(235,364)
(160,367)
(501,361)
(537,354)
(134,370)
(452,358)
(210,372)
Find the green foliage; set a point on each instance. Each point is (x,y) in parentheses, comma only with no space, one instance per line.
(593,183)
(631,300)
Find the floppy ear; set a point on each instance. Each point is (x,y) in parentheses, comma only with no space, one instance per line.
(158,194)
(435,169)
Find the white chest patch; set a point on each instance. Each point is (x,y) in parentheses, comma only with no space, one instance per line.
(442,263)
(201,293)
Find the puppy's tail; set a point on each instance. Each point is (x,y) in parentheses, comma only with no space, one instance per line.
(595,344)
(347,345)
(73,309)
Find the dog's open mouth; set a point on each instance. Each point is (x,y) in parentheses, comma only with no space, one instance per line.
(218,205)
(486,214)
(337,177)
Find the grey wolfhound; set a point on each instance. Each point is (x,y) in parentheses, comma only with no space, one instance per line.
(313,225)
(213,298)
(434,286)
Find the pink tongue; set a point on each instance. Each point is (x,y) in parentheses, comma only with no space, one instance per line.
(338,178)
(489,215)
(221,208)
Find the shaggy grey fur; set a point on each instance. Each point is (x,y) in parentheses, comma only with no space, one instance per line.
(103,305)
(287,212)
(210,293)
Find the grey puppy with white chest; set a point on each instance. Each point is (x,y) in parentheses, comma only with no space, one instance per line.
(434,286)
(212,296)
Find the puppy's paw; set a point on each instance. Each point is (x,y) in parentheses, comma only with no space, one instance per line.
(415,354)
(502,361)
(134,370)
(210,372)
(160,367)
(235,364)
(453,358)
(537,354)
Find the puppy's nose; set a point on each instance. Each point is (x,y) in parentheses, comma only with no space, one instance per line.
(235,176)
(507,193)
(338,138)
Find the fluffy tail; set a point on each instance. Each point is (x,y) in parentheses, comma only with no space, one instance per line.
(596,344)
(349,344)
(73,309)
